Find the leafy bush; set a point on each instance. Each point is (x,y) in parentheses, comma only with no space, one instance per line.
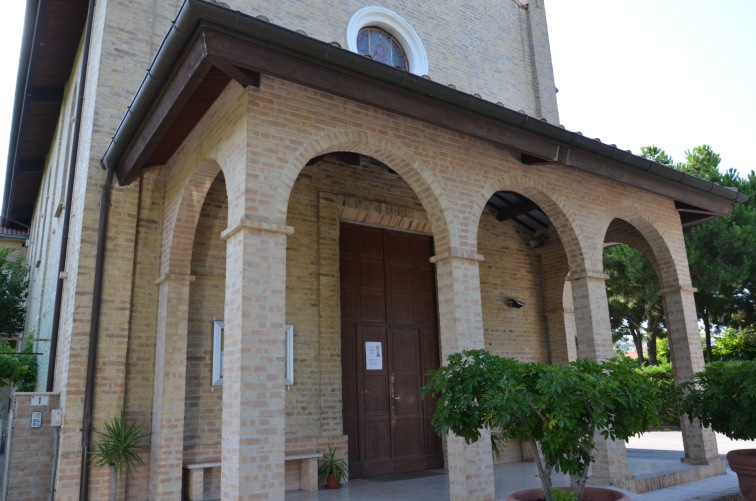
(723,397)
(663,376)
(118,446)
(555,407)
(18,369)
(736,345)
(14,282)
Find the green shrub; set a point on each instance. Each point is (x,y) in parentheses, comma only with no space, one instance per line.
(663,376)
(558,408)
(723,397)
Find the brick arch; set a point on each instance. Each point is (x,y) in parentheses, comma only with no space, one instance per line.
(411,169)
(643,233)
(552,204)
(181,218)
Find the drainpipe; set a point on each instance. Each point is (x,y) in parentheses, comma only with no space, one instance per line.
(94,334)
(69,198)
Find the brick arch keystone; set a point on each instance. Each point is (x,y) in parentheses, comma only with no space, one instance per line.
(180,225)
(412,170)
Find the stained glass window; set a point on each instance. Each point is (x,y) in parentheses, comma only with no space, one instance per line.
(382,47)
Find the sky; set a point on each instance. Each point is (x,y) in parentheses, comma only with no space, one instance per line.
(670,73)
(11,29)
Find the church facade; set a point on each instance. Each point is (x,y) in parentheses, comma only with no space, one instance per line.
(260,223)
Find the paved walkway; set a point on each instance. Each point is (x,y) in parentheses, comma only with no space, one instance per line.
(651,453)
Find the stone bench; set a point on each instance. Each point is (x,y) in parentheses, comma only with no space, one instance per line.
(195,472)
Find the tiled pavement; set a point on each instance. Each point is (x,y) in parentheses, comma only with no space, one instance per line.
(654,452)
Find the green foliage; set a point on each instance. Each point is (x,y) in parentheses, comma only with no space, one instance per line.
(118,446)
(18,369)
(14,282)
(332,465)
(662,351)
(721,255)
(557,407)
(563,495)
(736,345)
(723,397)
(663,376)
(635,307)
(722,252)
(656,154)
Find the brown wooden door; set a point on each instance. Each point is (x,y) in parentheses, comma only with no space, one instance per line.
(389,340)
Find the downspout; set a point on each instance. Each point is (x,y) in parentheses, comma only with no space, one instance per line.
(94,334)
(69,199)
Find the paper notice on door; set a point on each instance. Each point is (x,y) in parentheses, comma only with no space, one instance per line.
(373,356)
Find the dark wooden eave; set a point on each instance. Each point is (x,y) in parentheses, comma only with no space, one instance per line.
(209,45)
(51,39)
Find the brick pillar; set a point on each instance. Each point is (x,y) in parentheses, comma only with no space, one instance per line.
(471,474)
(560,323)
(167,441)
(594,335)
(253,380)
(557,298)
(687,359)
(594,330)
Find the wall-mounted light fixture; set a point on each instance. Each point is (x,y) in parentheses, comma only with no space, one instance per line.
(514,303)
(538,242)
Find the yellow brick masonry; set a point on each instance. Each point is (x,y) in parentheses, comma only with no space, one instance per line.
(31,454)
(262,139)
(452,177)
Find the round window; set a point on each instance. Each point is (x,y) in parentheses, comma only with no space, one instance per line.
(385,36)
(379,45)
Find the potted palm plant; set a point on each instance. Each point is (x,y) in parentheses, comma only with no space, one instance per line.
(117,449)
(723,396)
(332,469)
(556,409)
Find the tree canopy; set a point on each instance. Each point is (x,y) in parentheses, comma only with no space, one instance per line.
(17,368)
(721,256)
(722,252)
(635,308)
(13,284)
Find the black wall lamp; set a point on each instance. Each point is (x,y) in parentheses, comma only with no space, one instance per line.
(538,242)
(514,303)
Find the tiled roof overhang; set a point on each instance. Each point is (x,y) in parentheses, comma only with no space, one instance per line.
(51,39)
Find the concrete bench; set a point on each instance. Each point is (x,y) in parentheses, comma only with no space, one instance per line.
(308,471)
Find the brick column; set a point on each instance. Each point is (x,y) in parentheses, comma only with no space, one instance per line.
(594,333)
(253,380)
(560,324)
(471,474)
(687,358)
(557,298)
(594,330)
(167,441)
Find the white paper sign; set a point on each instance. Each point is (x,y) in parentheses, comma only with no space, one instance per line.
(373,356)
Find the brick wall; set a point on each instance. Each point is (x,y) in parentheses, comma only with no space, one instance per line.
(425,162)
(31,449)
(437,183)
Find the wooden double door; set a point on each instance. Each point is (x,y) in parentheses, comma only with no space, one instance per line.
(389,340)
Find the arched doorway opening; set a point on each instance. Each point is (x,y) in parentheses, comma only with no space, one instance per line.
(523,277)
(361,294)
